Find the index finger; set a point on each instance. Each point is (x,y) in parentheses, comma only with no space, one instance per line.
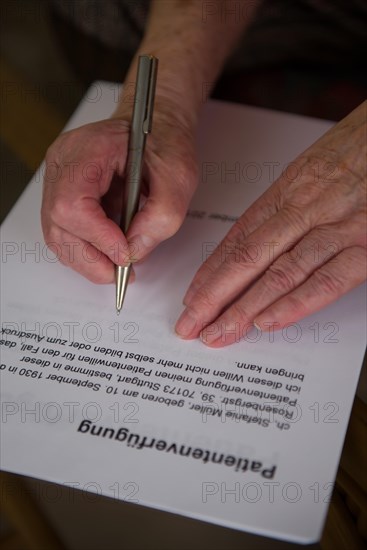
(246,261)
(260,211)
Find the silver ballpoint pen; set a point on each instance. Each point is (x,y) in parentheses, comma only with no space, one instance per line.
(141,125)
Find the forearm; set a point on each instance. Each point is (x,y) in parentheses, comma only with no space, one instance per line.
(192,39)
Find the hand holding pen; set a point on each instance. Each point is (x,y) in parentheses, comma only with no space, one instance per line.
(81,207)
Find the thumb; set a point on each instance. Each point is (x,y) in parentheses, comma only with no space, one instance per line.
(159,219)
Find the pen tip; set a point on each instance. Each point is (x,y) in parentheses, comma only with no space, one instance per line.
(122,279)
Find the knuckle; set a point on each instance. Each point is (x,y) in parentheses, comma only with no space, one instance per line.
(206,271)
(295,306)
(327,283)
(206,297)
(60,211)
(295,216)
(243,256)
(240,313)
(238,253)
(240,230)
(277,277)
(170,222)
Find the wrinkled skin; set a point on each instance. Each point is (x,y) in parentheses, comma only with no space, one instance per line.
(299,247)
(83,188)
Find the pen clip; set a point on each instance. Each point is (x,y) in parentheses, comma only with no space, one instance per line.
(147,124)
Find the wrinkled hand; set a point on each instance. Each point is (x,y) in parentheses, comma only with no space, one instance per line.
(83,188)
(299,247)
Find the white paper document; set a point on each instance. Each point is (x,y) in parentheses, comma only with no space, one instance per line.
(248,436)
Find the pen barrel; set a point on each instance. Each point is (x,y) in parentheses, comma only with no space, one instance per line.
(132,186)
(140,127)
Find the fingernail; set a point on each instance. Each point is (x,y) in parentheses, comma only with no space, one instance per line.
(265,325)
(139,244)
(186,324)
(210,334)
